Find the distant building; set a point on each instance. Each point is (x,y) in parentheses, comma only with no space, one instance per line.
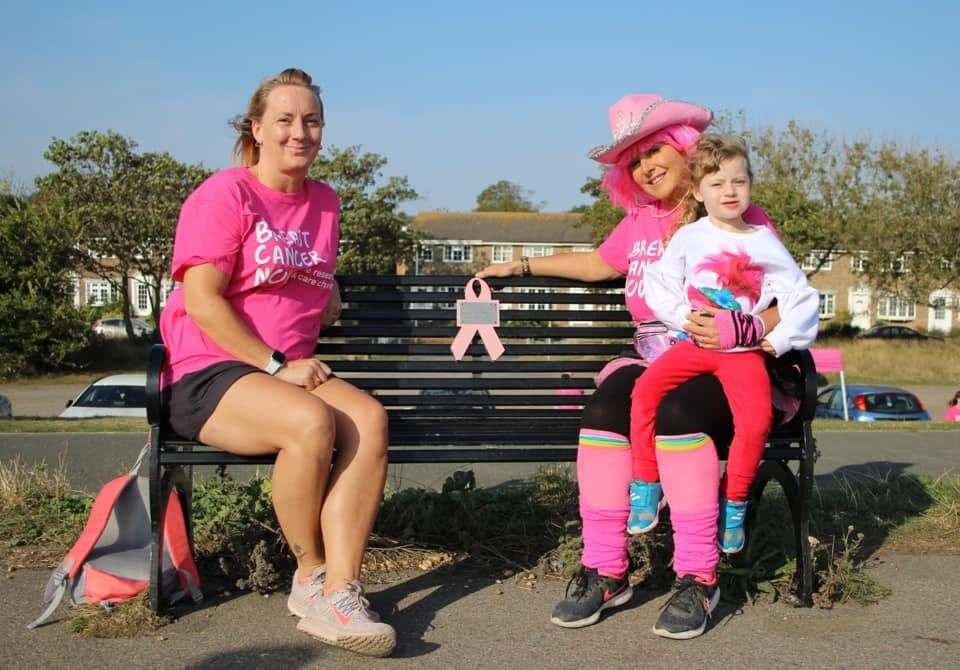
(461,242)
(845,293)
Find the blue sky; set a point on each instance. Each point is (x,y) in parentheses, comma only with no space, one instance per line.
(459,97)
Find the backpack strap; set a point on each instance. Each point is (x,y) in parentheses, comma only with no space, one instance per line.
(53,593)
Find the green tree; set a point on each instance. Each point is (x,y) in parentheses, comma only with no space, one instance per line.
(505,196)
(374,234)
(39,325)
(122,205)
(911,240)
(601,216)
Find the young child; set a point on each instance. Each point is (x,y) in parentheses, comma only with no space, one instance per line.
(717,262)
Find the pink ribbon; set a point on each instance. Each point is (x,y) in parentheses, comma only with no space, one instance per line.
(477,314)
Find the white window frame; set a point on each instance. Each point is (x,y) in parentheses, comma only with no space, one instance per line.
(99,292)
(536,306)
(811,260)
(582,249)
(858,262)
(425,253)
(537,251)
(501,253)
(895,308)
(828,304)
(142,297)
(457,253)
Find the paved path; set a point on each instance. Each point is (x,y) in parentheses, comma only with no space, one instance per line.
(456,622)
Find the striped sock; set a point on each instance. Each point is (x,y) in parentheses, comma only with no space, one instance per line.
(590,437)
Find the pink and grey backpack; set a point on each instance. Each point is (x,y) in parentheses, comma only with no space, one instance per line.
(110,561)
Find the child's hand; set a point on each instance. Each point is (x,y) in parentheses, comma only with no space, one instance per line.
(768,348)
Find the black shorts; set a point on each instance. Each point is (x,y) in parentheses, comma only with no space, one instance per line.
(193,398)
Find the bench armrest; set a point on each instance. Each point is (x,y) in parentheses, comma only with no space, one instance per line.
(157,355)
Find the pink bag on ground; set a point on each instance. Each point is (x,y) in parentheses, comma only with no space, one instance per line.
(110,561)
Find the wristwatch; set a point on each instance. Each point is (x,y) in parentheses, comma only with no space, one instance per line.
(277,361)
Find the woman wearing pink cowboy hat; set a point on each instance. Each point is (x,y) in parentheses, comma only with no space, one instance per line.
(647,176)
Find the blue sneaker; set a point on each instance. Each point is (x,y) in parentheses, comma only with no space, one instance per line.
(732,534)
(646,501)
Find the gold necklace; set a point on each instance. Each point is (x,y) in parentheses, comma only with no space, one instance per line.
(663,216)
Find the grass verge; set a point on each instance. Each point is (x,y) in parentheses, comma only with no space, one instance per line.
(529,531)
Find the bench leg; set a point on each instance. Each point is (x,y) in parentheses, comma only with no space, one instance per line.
(798,500)
(157,504)
(801,522)
(174,478)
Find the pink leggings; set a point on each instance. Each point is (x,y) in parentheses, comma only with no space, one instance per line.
(746,385)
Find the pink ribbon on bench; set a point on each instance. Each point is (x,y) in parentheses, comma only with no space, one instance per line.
(479,314)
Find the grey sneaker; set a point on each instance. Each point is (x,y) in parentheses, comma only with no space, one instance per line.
(686,613)
(344,619)
(301,595)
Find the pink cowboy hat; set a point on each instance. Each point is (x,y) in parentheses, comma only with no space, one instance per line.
(634,117)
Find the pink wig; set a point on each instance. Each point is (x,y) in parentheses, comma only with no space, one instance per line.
(618,182)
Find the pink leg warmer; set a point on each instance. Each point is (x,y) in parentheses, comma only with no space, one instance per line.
(689,474)
(603,477)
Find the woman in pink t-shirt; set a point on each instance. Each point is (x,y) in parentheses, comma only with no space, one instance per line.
(255,255)
(648,176)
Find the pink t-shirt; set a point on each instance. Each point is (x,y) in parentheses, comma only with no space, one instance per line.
(279,250)
(952,414)
(637,241)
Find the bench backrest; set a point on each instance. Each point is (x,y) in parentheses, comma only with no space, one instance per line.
(393,340)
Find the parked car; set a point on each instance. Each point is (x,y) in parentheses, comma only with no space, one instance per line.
(114,395)
(895,333)
(6,408)
(871,403)
(112,328)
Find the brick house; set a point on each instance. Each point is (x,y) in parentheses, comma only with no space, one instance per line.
(845,294)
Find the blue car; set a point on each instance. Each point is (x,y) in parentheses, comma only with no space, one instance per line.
(871,403)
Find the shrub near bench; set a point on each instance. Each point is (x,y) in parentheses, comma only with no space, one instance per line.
(393,340)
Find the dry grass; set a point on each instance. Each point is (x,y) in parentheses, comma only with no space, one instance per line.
(937,528)
(132,618)
(21,483)
(892,362)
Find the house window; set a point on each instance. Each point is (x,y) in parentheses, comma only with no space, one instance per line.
(537,251)
(426,253)
(502,253)
(166,287)
(457,253)
(940,308)
(812,261)
(583,250)
(100,292)
(858,263)
(143,297)
(536,306)
(895,308)
(828,305)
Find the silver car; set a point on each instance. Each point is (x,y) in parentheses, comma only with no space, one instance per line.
(113,327)
(115,395)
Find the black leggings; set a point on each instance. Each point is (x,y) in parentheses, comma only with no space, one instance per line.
(696,406)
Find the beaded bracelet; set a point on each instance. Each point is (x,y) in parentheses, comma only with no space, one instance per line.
(525,267)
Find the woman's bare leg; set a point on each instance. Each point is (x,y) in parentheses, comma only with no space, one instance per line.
(261,415)
(355,489)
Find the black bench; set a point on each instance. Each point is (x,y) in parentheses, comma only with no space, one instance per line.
(393,340)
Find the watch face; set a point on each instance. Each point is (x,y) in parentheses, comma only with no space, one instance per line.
(279,357)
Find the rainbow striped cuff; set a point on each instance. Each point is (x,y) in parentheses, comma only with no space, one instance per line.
(603,439)
(688,442)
